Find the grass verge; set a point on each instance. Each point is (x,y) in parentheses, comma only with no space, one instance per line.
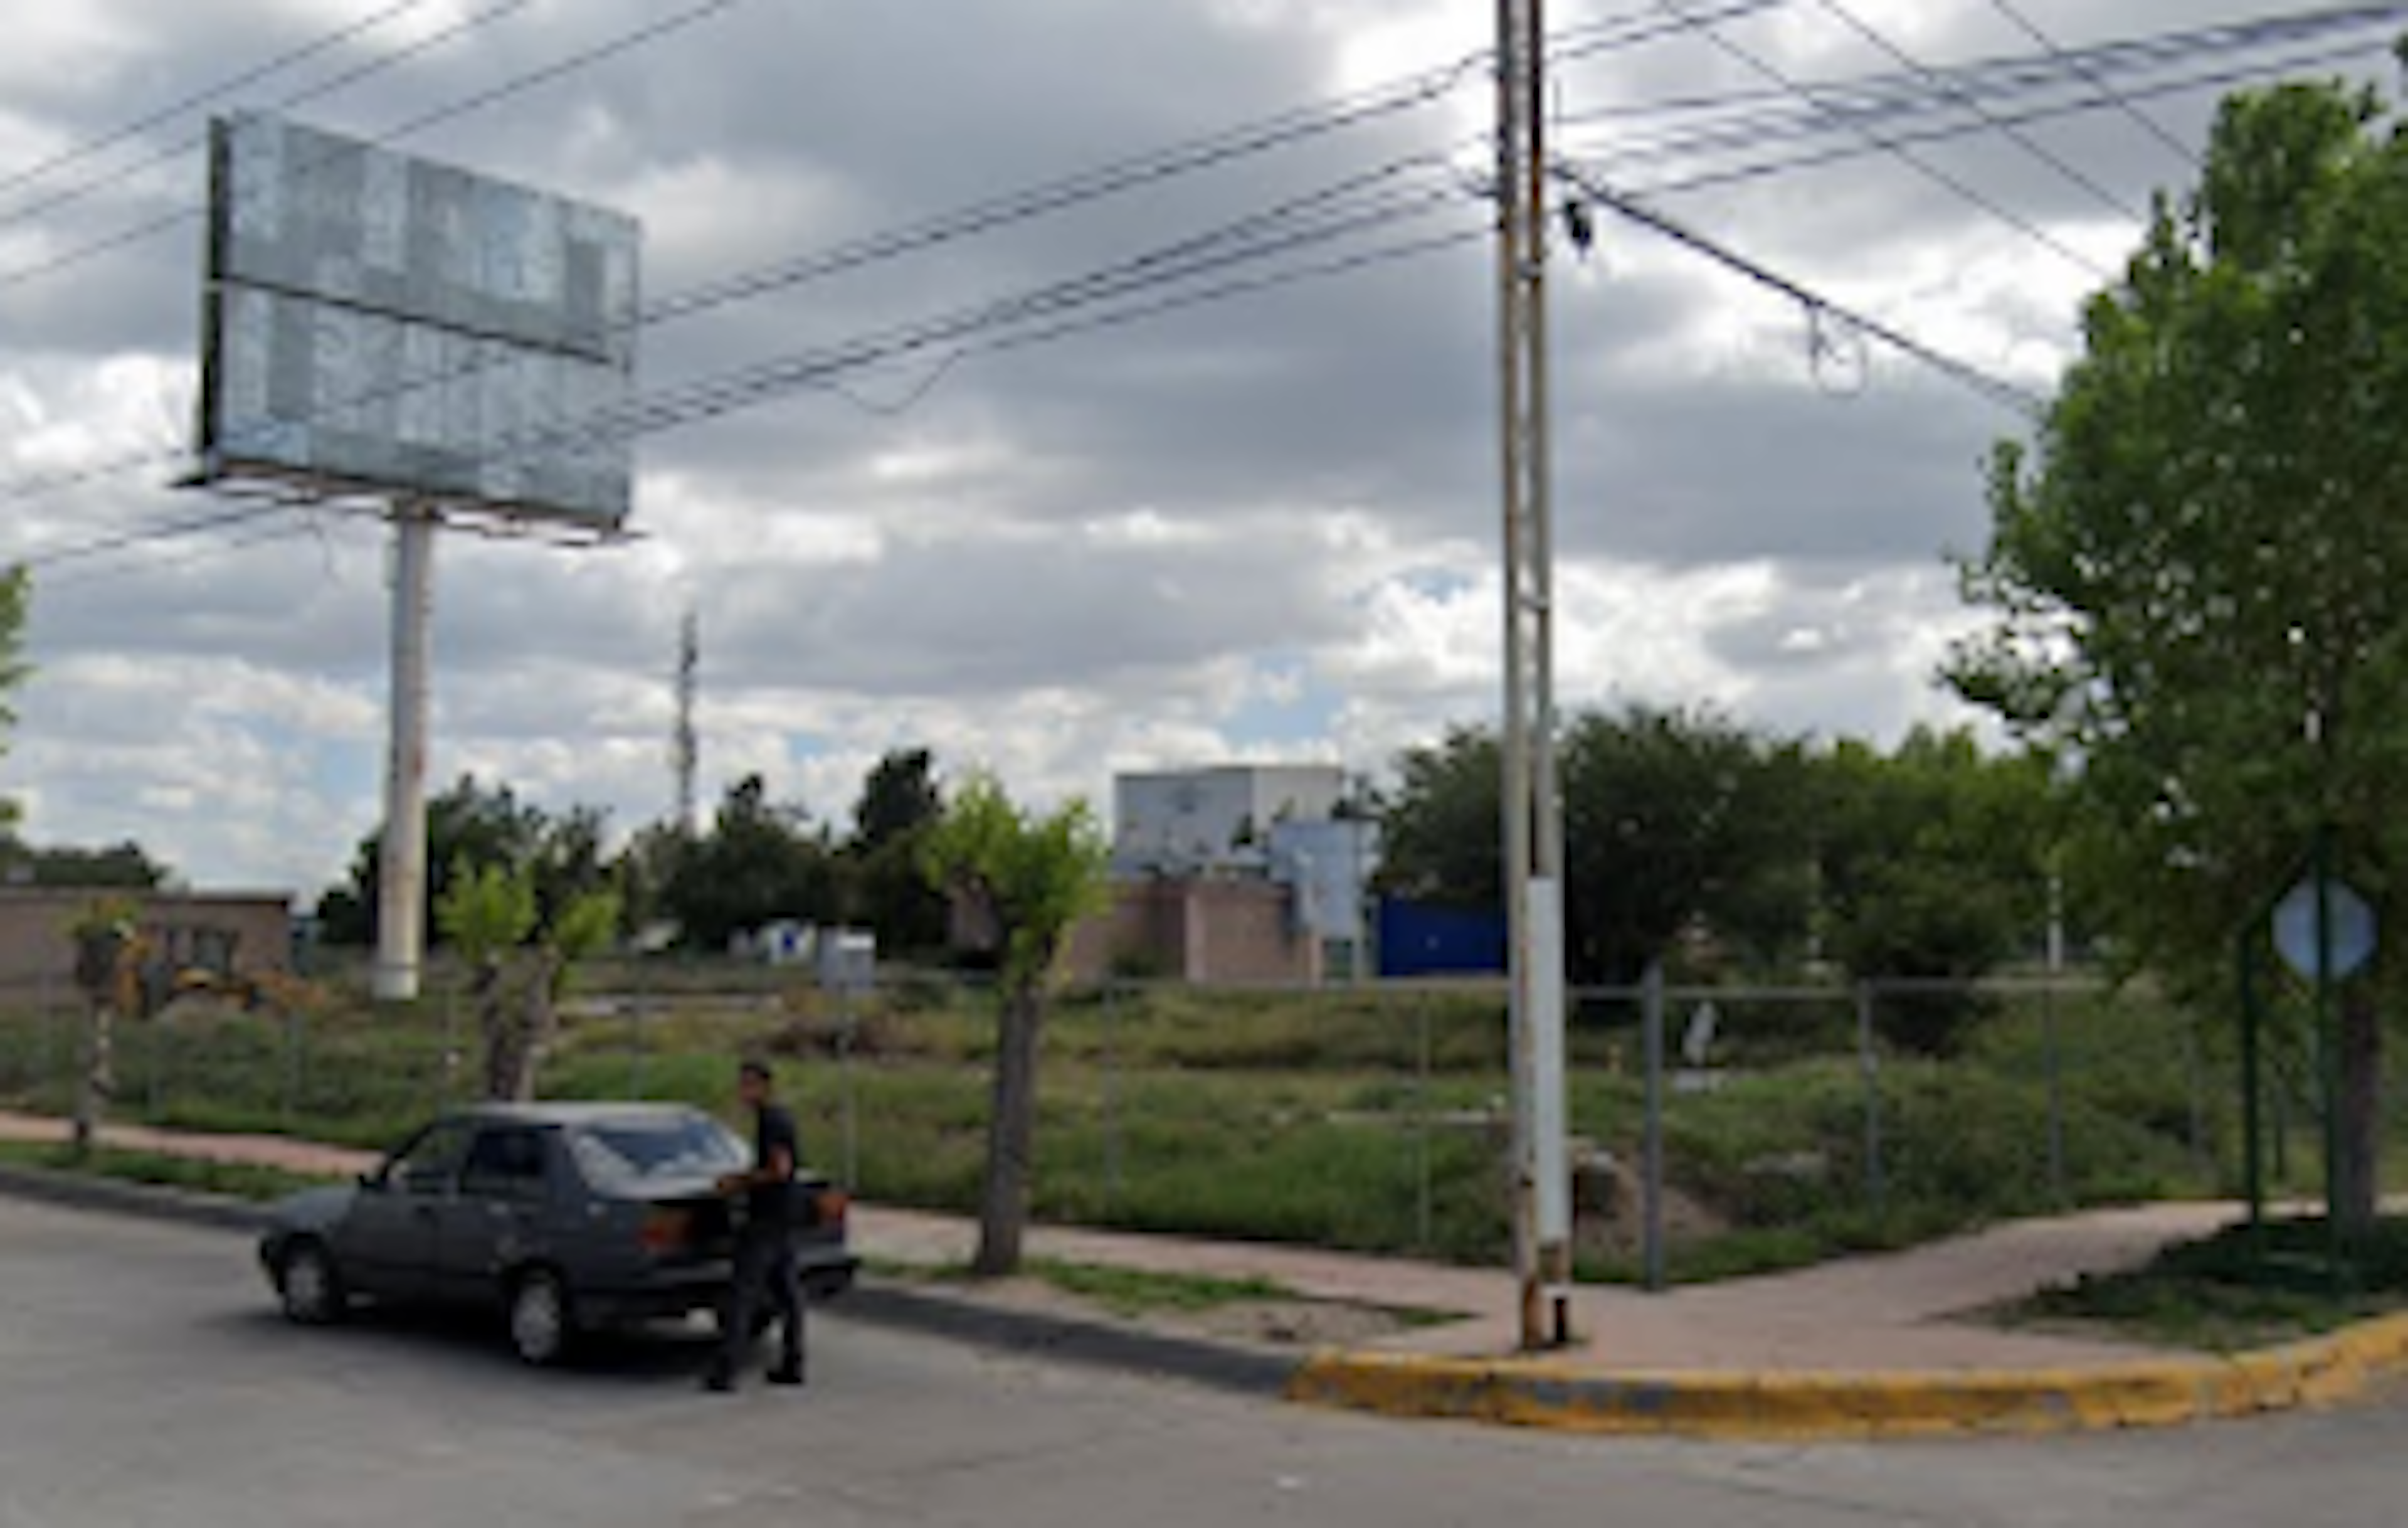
(236,1180)
(2235,1291)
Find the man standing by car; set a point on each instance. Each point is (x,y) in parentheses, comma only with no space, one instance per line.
(765,1244)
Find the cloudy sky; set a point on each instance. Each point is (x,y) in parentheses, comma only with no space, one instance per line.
(1262,527)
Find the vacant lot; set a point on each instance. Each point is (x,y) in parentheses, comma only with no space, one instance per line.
(1365,1119)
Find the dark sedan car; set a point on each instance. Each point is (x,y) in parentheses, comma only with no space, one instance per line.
(566,1217)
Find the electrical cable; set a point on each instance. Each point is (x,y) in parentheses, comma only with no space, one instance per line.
(620,43)
(325,42)
(1700,180)
(2072,173)
(80,191)
(1954,184)
(2145,121)
(1990,385)
(1629,29)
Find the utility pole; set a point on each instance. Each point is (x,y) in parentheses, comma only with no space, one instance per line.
(1534,849)
(401,861)
(685,750)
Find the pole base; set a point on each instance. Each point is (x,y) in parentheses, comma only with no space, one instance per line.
(394,983)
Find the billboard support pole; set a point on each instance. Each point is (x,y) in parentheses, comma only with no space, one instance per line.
(401,870)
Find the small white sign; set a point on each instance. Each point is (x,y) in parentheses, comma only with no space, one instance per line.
(2351,932)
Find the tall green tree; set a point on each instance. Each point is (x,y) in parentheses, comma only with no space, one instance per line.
(493,915)
(470,823)
(1671,819)
(1932,864)
(2198,572)
(1027,877)
(886,887)
(125,865)
(760,862)
(899,797)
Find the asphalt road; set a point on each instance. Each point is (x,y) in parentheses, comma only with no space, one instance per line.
(144,1379)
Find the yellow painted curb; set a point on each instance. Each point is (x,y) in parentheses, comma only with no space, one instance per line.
(1807,1405)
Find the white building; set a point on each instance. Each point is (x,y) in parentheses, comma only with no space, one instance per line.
(1217,820)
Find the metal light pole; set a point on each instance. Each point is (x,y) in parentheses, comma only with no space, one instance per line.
(1533,825)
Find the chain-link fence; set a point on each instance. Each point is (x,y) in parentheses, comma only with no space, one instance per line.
(1786,1121)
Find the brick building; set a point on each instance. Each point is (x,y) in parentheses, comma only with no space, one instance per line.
(1197,931)
(223,931)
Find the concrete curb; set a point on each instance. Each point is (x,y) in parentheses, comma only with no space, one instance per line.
(1060,1339)
(122,1196)
(1807,1405)
(1233,1368)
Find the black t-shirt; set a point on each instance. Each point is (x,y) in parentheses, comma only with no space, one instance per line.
(773,1129)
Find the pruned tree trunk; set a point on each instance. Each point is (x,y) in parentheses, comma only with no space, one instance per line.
(1011,1134)
(538,1025)
(497,1030)
(2358,1171)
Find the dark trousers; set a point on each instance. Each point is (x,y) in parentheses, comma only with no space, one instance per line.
(764,1270)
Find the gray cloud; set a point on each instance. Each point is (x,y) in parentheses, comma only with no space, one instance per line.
(1060,559)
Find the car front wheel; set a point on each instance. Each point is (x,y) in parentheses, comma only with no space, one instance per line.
(542,1325)
(307,1284)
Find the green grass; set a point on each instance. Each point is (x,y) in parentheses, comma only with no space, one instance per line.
(239,1180)
(2236,1290)
(1133,1291)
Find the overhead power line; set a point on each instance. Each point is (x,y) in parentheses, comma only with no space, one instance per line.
(1989,384)
(366,69)
(1207,151)
(2143,119)
(1157,282)
(1957,185)
(830,377)
(1809,157)
(830,369)
(2000,82)
(585,58)
(2072,173)
(294,58)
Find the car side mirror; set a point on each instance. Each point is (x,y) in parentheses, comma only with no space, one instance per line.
(372,1182)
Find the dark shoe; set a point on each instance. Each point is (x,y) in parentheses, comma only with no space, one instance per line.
(718,1381)
(785,1373)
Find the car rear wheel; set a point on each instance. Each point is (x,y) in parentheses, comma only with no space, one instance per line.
(542,1324)
(307,1284)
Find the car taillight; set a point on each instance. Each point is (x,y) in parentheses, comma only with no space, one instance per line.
(665,1231)
(833,1204)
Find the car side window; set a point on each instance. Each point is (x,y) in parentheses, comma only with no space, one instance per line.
(429,1164)
(506,1163)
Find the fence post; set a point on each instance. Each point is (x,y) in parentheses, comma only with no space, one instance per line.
(154,1036)
(294,1035)
(1869,1064)
(1651,1189)
(447,1080)
(2056,1058)
(1111,1101)
(852,1113)
(1425,1230)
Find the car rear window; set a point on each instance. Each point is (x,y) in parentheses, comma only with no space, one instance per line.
(643,1150)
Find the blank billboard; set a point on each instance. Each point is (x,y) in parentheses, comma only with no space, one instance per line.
(381,324)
